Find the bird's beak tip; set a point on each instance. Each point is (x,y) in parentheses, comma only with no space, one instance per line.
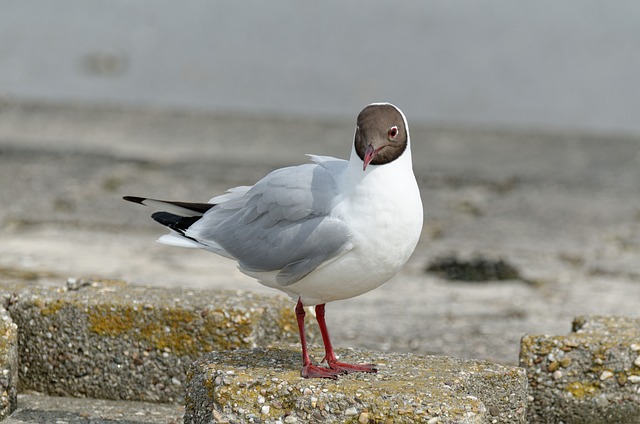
(369,154)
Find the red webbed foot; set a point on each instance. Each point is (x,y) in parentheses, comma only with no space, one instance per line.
(349,368)
(313,371)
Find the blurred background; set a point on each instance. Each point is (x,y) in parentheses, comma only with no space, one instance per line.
(569,65)
(525,130)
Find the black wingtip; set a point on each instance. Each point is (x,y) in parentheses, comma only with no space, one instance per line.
(175,222)
(134,199)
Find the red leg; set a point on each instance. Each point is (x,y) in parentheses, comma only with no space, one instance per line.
(308,369)
(330,357)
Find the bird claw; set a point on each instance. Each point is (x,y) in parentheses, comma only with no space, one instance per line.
(349,368)
(313,371)
(335,369)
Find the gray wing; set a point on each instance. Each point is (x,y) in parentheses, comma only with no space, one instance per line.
(281,223)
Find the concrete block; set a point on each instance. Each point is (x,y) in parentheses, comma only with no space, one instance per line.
(8,364)
(591,375)
(112,340)
(35,408)
(264,385)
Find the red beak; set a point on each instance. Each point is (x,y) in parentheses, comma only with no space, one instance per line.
(368,155)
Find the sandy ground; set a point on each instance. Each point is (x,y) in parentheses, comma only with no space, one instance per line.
(563,209)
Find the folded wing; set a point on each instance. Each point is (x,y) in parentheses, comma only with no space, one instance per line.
(282,223)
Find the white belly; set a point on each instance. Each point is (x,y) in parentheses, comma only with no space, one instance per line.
(385,222)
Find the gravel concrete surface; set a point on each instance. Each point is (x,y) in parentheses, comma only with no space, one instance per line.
(8,364)
(591,375)
(562,210)
(111,340)
(34,408)
(407,388)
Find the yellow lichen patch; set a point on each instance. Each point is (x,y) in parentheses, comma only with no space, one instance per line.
(111,321)
(8,336)
(52,307)
(181,331)
(580,390)
(231,333)
(174,330)
(287,321)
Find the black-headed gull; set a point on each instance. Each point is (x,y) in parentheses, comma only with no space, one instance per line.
(323,231)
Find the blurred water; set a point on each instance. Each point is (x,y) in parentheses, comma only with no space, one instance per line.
(546,64)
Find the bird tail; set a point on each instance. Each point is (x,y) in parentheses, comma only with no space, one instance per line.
(177,216)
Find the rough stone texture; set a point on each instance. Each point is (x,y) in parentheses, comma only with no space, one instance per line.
(8,364)
(590,375)
(111,340)
(38,409)
(264,385)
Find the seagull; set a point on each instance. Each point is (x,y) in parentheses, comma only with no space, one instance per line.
(320,232)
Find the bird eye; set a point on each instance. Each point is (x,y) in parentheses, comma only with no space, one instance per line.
(393,132)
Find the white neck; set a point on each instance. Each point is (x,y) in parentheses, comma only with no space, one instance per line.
(400,166)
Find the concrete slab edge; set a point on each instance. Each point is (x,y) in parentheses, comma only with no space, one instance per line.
(8,364)
(112,340)
(589,375)
(264,384)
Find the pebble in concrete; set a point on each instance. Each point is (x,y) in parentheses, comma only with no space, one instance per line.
(591,375)
(264,385)
(111,340)
(8,364)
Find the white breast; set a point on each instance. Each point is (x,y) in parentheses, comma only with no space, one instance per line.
(383,210)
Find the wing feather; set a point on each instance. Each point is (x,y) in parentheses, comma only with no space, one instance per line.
(282,223)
